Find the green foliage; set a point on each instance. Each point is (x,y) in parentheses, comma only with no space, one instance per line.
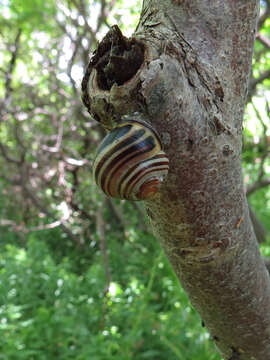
(29,14)
(48,311)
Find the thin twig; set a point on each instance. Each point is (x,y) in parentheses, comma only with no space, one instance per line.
(14,54)
(103,248)
(22,228)
(256,81)
(264,40)
(261,181)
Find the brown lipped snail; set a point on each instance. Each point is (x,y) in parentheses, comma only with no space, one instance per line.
(130,163)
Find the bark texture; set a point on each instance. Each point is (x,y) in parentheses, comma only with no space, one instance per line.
(192,86)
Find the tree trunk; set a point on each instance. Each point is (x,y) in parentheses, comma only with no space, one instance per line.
(191,84)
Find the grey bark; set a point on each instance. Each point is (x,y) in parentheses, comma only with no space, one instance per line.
(192,87)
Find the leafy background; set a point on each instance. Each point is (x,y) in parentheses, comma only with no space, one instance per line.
(81,276)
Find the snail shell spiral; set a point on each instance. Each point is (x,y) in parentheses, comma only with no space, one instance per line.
(130,163)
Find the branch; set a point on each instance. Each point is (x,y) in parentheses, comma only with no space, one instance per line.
(100,226)
(21,228)
(264,40)
(35,200)
(5,153)
(83,12)
(194,96)
(256,81)
(103,248)
(104,12)
(258,227)
(76,46)
(259,184)
(14,54)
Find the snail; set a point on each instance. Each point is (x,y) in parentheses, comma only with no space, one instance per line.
(130,163)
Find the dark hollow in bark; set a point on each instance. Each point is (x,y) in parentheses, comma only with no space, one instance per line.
(117,59)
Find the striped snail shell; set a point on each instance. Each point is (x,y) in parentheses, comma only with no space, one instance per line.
(130,163)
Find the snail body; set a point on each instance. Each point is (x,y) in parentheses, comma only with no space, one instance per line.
(130,163)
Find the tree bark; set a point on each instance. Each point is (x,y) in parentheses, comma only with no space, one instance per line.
(191,85)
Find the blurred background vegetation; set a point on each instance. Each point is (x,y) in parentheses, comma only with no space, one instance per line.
(81,276)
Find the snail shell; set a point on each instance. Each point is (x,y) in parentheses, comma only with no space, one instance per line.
(130,163)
